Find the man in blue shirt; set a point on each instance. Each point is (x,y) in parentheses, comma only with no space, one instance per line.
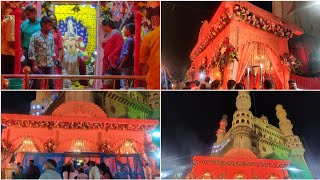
(41,52)
(125,62)
(28,28)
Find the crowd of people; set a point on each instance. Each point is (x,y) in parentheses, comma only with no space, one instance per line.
(89,170)
(207,84)
(44,52)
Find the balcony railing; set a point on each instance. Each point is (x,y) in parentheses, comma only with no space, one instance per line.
(27,77)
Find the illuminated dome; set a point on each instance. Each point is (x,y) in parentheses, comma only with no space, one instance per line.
(79,109)
(240,153)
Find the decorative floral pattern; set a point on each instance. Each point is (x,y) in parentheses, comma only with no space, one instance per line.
(77,125)
(203,65)
(105,148)
(190,73)
(46,8)
(226,54)
(294,64)
(245,15)
(223,21)
(49,146)
(6,149)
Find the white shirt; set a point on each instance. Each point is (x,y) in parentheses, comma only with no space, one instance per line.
(94,173)
(50,174)
(82,176)
(71,176)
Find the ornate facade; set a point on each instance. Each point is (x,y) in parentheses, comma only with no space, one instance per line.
(253,148)
(241,35)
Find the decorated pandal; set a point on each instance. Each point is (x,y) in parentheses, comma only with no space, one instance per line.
(83,36)
(247,44)
(252,148)
(79,131)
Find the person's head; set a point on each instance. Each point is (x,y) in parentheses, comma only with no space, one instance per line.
(108,25)
(54,21)
(239,86)
(103,168)
(197,83)
(68,167)
(155,17)
(129,29)
(89,163)
(231,83)
(207,79)
(187,84)
(31,162)
(82,164)
(93,163)
(267,84)
(216,84)
(46,24)
(50,164)
(292,84)
(20,169)
(203,86)
(31,13)
(81,170)
(18,164)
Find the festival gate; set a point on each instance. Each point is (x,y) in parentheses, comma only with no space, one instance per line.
(244,43)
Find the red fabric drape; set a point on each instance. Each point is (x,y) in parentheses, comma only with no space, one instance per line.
(17,35)
(244,54)
(137,22)
(275,60)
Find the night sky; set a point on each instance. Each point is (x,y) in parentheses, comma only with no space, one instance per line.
(16,102)
(190,120)
(180,26)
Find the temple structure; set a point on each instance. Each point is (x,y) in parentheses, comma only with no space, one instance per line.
(240,42)
(252,148)
(74,126)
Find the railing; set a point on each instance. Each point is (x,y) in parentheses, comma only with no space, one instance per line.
(27,76)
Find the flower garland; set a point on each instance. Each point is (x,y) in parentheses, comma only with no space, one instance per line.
(49,146)
(190,73)
(105,148)
(10,4)
(248,17)
(46,8)
(294,64)
(245,15)
(6,149)
(223,21)
(226,54)
(76,125)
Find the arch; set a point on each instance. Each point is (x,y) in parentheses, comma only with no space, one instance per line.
(27,144)
(246,50)
(79,109)
(138,146)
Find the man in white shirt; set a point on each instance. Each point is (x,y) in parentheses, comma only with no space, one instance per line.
(50,170)
(94,172)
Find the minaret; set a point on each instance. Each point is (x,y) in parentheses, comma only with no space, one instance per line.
(222,130)
(242,124)
(297,162)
